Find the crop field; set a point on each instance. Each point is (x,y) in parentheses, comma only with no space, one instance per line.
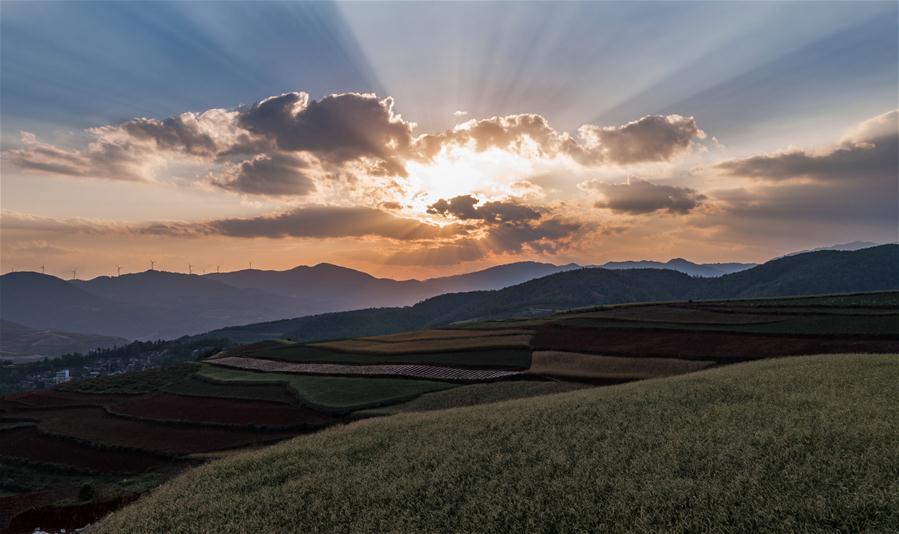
(29,445)
(368,346)
(429,372)
(332,393)
(194,386)
(613,368)
(95,426)
(492,358)
(804,444)
(721,347)
(553,375)
(225,412)
(427,335)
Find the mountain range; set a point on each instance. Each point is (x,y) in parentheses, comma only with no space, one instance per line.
(164,305)
(823,272)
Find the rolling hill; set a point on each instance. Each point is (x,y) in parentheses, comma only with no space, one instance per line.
(794,444)
(20,344)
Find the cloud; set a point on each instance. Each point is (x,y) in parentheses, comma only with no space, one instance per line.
(651,138)
(846,190)
(338,128)
(101,159)
(638,197)
(508,226)
(285,145)
(311,222)
(460,113)
(871,152)
(274,175)
(465,207)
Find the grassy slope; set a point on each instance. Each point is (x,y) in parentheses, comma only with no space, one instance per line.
(798,444)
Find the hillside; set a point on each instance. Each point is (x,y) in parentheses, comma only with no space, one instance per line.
(22,344)
(871,269)
(705,270)
(796,444)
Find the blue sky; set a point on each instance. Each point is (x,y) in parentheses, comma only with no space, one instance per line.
(757,77)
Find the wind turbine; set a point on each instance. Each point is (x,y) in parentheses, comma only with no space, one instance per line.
(118,270)
(75,274)
(190,269)
(217,269)
(152,265)
(42,269)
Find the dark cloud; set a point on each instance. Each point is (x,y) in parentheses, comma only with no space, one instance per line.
(450,254)
(338,128)
(871,153)
(651,138)
(639,197)
(844,191)
(275,175)
(465,207)
(313,222)
(179,134)
(508,226)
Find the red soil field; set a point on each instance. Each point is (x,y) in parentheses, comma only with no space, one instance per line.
(166,407)
(68,517)
(13,505)
(30,445)
(718,346)
(94,425)
(50,398)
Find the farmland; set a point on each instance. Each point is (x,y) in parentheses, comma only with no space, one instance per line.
(795,444)
(154,424)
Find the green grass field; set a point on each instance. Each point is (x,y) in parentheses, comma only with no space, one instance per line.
(331,393)
(802,444)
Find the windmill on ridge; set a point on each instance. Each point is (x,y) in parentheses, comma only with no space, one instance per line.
(152,265)
(118,270)
(190,269)
(75,274)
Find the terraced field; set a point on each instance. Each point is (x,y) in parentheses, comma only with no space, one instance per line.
(151,425)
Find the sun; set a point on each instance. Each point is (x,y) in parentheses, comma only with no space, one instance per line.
(487,175)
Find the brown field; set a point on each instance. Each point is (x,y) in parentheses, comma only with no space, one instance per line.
(427,335)
(63,517)
(423,346)
(28,444)
(95,426)
(678,314)
(430,372)
(50,398)
(593,366)
(722,347)
(199,410)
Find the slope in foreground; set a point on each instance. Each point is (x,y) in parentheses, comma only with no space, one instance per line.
(795,444)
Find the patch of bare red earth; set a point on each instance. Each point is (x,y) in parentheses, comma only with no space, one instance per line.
(51,398)
(29,445)
(228,412)
(724,347)
(95,426)
(67,517)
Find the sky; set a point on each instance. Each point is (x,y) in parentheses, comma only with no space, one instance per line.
(419,139)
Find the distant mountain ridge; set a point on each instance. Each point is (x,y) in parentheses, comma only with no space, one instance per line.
(164,305)
(823,272)
(705,270)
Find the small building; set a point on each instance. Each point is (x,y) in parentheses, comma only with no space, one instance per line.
(62,376)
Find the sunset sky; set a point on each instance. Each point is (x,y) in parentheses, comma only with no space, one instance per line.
(415,140)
